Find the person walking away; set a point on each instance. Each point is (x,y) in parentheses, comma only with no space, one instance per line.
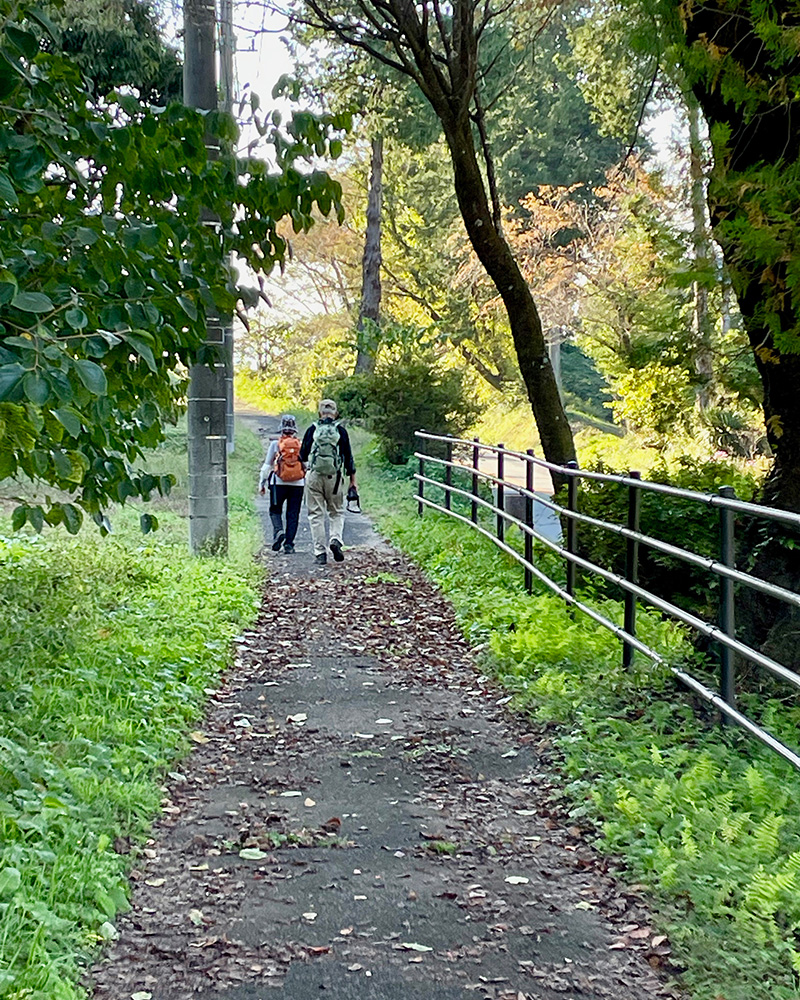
(328,457)
(283,473)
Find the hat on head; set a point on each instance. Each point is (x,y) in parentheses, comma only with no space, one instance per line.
(288,424)
(327,408)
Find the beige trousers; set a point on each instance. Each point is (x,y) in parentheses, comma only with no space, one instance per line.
(320,497)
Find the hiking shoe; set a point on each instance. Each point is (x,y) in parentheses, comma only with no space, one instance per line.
(278,541)
(336,549)
(288,547)
(321,559)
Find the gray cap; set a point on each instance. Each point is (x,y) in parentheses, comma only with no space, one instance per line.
(288,424)
(327,408)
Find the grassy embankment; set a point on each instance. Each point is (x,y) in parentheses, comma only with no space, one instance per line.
(707,819)
(107,651)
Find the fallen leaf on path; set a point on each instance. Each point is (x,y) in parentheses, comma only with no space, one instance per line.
(196,917)
(299,717)
(252,854)
(155,882)
(308,803)
(332,825)
(310,916)
(290,795)
(198,737)
(413,946)
(517,880)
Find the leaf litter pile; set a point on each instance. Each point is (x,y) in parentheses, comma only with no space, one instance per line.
(360,817)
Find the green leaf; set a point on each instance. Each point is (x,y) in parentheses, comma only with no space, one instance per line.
(76,318)
(19,517)
(24,41)
(70,419)
(62,464)
(10,878)
(7,192)
(336,148)
(148,522)
(92,376)
(85,236)
(34,302)
(44,22)
(36,518)
(188,306)
(36,388)
(143,350)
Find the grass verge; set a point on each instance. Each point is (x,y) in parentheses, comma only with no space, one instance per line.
(707,819)
(108,648)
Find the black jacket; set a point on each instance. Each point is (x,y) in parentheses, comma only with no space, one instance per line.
(344,448)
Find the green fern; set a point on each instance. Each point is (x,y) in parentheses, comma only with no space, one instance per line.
(766,836)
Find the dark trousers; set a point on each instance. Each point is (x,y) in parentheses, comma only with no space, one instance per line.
(292,496)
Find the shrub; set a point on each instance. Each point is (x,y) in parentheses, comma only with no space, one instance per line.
(407,392)
(671,519)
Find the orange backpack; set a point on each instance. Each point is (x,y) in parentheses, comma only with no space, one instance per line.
(288,466)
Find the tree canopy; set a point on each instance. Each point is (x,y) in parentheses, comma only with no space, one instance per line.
(107,267)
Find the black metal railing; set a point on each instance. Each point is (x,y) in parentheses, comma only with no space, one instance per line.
(454,454)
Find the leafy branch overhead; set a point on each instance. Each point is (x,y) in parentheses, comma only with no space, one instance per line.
(107,268)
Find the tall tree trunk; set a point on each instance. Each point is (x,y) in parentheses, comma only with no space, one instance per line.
(703,323)
(753,205)
(437,46)
(526,326)
(369,311)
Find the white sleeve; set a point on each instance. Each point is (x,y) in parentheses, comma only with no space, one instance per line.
(269,462)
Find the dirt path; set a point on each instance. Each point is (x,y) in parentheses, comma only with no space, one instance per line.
(361,819)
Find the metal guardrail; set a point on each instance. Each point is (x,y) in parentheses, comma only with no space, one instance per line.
(722,634)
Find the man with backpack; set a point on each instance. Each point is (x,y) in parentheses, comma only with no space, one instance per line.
(284,473)
(328,458)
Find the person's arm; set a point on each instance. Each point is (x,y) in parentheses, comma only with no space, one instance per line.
(347,455)
(308,440)
(266,468)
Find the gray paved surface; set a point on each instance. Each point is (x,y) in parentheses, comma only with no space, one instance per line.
(399,837)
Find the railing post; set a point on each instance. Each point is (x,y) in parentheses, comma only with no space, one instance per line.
(501,494)
(572,527)
(631,568)
(476,455)
(727,613)
(529,519)
(421,505)
(448,475)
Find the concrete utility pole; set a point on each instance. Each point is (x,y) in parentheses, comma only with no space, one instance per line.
(227,48)
(208,460)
